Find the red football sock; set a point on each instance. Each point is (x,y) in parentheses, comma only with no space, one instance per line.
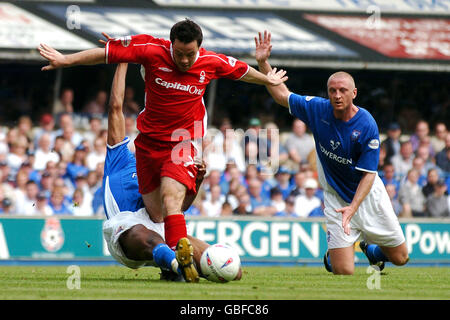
(174,229)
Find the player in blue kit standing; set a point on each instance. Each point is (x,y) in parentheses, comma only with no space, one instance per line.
(347,147)
(133,239)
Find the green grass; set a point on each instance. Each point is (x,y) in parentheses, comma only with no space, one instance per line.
(258,283)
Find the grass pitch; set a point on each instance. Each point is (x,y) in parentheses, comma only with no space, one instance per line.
(258,283)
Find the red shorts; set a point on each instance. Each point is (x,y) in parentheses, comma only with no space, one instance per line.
(156,159)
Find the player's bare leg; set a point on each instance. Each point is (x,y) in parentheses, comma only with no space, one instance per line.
(397,255)
(152,201)
(342,260)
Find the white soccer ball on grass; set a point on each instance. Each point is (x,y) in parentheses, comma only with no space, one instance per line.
(220,263)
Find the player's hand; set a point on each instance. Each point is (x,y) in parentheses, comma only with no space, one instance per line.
(263,46)
(107,38)
(201,170)
(347,214)
(276,77)
(55,58)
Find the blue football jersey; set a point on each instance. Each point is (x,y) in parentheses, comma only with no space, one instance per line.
(120,184)
(344,149)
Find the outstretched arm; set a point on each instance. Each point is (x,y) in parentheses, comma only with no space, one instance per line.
(116,119)
(272,79)
(58,60)
(279,93)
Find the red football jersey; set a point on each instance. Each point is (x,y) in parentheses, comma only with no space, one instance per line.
(174,106)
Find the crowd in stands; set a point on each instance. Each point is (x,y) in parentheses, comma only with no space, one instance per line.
(55,166)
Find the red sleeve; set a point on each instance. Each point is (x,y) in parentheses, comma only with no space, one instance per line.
(229,67)
(132,49)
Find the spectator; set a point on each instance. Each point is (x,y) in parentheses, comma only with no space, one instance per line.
(82,184)
(212,179)
(65,102)
(261,206)
(42,208)
(214,155)
(95,128)
(17,155)
(97,106)
(443,157)
(419,165)
(421,136)
(46,183)
(388,176)
(226,209)
(20,191)
(307,202)
(411,197)
(46,125)
(289,210)
(392,142)
(213,205)
(251,172)
(277,148)
(403,161)
(244,208)
(72,136)
(81,206)
(6,206)
(299,143)
(130,106)
(57,202)
(299,181)
(437,204)
(24,126)
(318,211)
(97,155)
(432,179)
(276,200)
(78,164)
(382,158)
(67,129)
(255,143)
(392,193)
(44,154)
(31,192)
(423,151)
(283,178)
(438,140)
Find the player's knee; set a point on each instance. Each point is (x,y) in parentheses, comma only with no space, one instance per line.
(400,259)
(343,270)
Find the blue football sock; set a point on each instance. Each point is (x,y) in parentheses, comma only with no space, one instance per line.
(164,257)
(374,253)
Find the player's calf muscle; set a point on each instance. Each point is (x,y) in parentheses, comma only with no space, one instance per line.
(138,243)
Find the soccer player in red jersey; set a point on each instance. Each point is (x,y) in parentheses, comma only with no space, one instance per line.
(171,126)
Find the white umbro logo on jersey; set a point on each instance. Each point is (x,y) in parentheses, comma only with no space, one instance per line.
(309,98)
(165,69)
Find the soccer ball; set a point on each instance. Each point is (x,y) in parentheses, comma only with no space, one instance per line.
(220,263)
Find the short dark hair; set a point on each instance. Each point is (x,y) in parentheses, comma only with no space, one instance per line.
(186,31)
